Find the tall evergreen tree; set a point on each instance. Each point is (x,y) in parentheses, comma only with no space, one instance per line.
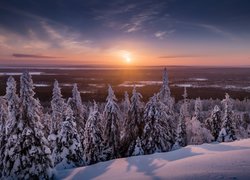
(134,119)
(13,102)
(68,152)
(111,129)
(198,109)
(213,123)
(165,93)
(93,141)
(58,107)
(157,136)
(79,111)
(165,97)
(3,138)
(126,103)
(227,132)
(27,155)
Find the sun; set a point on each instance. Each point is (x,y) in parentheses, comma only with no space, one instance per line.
(126,56)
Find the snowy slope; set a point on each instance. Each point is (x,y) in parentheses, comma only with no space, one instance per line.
(207,161)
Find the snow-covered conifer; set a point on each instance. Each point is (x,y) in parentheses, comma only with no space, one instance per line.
(213,123)
(181,134)
(165,94)
(197,133)
(138,148)
(27,155)
(68,152)
(47,124)
(79,111)
(135,120)
(157,136)
(93,141)
(111,136)
(227,132)
(3,138)
(58,107)
(198,109)
(126,103)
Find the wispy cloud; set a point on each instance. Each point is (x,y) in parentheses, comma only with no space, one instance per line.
(130,17)
(17,55)
(163,34)
(181,56)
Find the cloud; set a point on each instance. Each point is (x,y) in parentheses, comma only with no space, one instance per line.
(180,56)
(33,56)
(162,34)
(129,18)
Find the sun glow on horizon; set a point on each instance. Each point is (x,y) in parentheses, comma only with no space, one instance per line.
(126,55)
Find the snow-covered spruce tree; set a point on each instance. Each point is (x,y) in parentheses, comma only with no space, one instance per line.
(68,152)
(111,135)
(198,109)
(3,121)
(184,109)
(157,136)
(227,132)
(58,107)
(181,134)
(47,124)
(138,148)
(13,102)
(27,155)
(126,103)
(79,111)
(93,141)
(13,112)
(133,126)
(165,97)
(213,123)
(196,133)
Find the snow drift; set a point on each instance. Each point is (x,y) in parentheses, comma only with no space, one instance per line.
(207,161)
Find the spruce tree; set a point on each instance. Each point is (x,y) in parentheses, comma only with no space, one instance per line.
(138,148)
(68,152)
(111,136)
(213,123)
(13,102)
(58,107)
(157,136)
(126,103)
(93,140)
(227,132)
(134,119)
(165,97)
(198,109)
(27,155)
(181,137)
(181,133)
(79,111)
(3,138)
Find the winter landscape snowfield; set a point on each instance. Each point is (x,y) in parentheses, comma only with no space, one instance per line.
(38,140)
(206,161)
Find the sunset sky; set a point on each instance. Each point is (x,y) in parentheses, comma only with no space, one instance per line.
(125,32)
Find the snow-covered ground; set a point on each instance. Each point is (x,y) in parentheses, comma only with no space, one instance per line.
(207,161)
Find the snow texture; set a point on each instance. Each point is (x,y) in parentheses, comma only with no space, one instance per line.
(206,161)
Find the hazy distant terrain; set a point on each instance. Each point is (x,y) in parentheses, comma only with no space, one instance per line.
(93,81)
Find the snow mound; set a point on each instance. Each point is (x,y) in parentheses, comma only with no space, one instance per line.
(207,161)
